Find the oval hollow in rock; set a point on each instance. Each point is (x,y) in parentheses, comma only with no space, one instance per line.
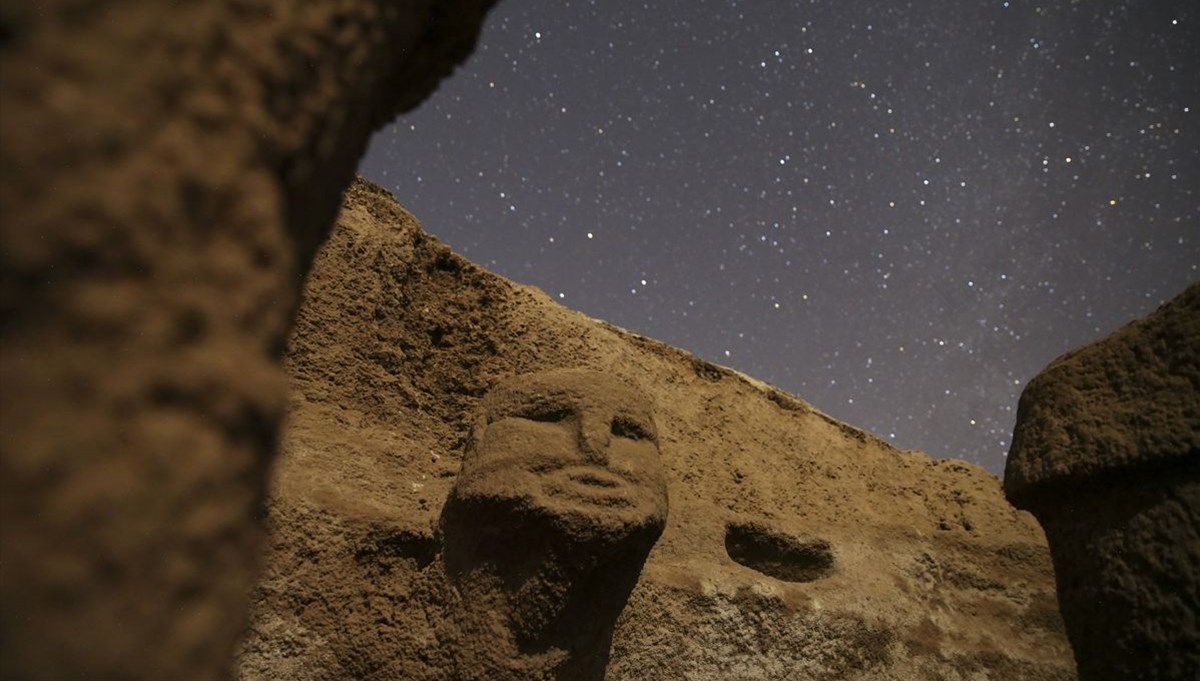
(778,555)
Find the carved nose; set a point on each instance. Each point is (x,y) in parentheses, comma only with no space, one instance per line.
(594,436)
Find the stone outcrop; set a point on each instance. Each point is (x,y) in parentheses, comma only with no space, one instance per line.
(795,547)
(1106,453)
(168,170)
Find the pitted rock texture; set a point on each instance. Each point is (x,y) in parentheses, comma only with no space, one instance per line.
(887,564)
(1106,454)
(168,171)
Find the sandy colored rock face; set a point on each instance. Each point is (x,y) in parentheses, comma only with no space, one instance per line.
(1106,453)
(795,547)
(168,170)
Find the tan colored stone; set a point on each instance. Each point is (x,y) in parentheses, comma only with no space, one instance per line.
(796,547)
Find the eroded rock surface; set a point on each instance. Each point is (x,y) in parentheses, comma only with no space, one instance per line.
(796,547)
(1106,453)
(168,170)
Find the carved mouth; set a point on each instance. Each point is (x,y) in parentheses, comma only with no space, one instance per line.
(594,478)
(588,485)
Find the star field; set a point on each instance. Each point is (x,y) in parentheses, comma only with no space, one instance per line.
(899,213)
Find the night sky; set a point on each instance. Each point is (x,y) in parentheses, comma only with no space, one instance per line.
(898,212)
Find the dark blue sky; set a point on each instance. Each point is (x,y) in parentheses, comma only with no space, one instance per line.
(899,213)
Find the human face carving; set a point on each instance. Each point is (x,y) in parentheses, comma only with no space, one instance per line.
(576,445)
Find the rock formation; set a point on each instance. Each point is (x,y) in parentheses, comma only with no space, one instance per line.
(167,171)
(1106,453)
(429,516)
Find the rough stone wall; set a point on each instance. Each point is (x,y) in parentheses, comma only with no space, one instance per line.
(1106,453)
(166,172)
(796,547)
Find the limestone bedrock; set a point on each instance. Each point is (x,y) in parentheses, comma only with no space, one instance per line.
(459,443)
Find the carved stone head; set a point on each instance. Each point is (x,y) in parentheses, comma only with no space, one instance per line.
(576,449)
(559,500)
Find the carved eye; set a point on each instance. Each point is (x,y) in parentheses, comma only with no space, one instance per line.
(546,413)
(627,427)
